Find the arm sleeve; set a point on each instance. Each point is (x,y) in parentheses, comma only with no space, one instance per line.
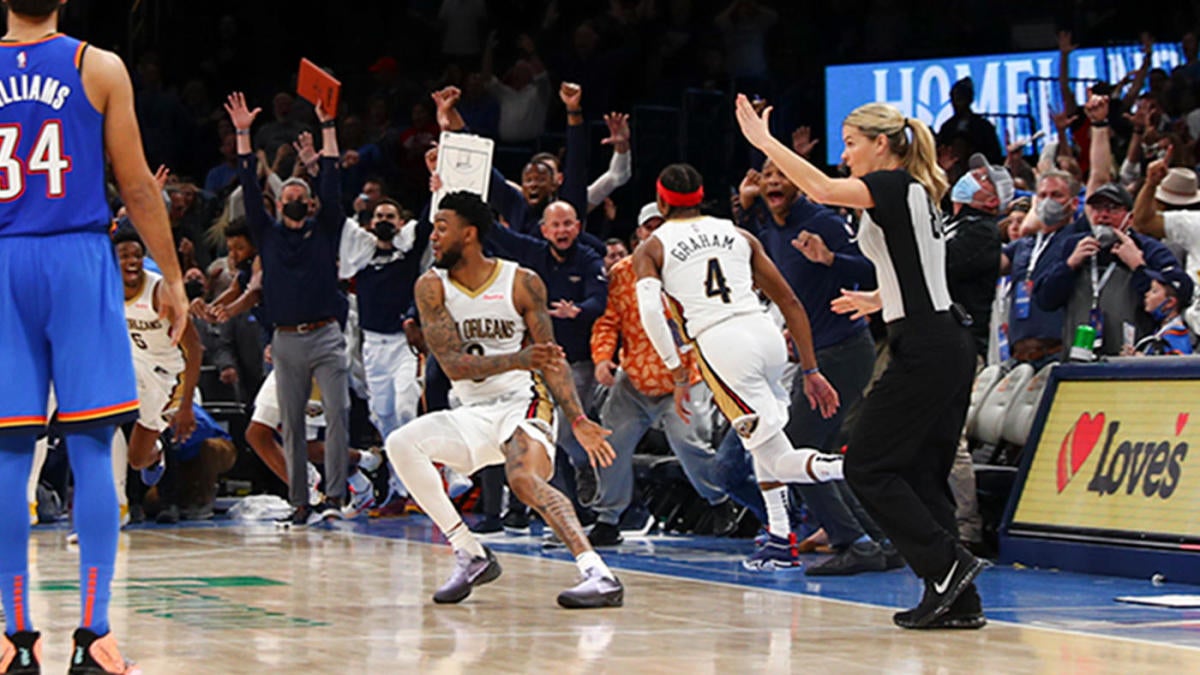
(620,170)
(257,220)
(574,189)
(649,295)
(329,189)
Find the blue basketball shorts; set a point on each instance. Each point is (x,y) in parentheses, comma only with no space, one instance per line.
(62,321)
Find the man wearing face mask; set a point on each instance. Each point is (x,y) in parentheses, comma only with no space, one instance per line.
(1099,277)
(973,241)
(300,285)
(384,281)
(1034,334)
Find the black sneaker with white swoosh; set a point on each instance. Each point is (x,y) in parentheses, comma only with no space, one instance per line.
(940,593)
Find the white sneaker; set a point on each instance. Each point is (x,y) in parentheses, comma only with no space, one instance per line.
(362,496)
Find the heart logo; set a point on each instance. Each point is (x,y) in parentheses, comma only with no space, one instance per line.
(1077,445)
(1181,422)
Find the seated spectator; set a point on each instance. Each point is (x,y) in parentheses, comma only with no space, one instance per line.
(1170,291)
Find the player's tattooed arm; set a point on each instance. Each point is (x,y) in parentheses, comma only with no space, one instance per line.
(442,338)
(531,295)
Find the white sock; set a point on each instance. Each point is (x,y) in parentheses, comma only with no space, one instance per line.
(462,539)
(776,500)
(369,461)
(40,450)
(589,561)
(120,465)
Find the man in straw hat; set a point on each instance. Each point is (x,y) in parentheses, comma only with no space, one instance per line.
(1163,210)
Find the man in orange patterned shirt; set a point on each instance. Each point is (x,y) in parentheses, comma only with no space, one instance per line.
(640,395)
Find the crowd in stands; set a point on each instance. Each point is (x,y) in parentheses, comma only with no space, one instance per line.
(1098,230)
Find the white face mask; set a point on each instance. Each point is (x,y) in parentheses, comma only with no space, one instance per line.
(965,189)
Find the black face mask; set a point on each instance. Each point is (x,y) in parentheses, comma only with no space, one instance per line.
(297,209)
(194,288)
(385,230)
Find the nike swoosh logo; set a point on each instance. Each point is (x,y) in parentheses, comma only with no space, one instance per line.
(941,587)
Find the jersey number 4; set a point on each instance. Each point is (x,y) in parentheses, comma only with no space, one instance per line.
(714,281)
(46,158)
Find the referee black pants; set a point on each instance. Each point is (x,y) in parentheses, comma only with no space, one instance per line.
(902,446)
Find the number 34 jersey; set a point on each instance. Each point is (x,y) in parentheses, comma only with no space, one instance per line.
(51,141)
(706,272)
(148,334)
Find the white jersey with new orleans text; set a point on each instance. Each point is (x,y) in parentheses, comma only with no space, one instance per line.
(148,333)
(706,272)
(488,324)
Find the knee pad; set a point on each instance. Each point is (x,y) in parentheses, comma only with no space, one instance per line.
(766,457)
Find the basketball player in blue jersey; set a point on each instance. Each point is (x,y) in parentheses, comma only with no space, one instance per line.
(63,106)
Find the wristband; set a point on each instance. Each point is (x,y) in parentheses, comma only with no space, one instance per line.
(1100,125)
(328,124)
(243,132)
(576,421)
(810,371)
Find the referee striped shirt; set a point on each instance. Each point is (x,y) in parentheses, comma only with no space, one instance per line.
(902,234)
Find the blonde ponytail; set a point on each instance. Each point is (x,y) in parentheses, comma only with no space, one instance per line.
(919,156)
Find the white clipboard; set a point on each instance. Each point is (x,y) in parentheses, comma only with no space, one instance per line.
(464,163)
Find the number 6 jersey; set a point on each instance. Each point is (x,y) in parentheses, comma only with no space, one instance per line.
(706,272)
(148,334)
(51,162)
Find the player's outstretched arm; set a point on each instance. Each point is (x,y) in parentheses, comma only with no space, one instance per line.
(531,303)
(441,336)
(108,87)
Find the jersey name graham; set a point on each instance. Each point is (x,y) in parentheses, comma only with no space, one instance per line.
(25,87)
(701,242)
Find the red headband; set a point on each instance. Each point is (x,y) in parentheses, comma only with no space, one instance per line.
(684,199)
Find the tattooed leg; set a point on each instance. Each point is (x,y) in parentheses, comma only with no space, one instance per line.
(527,466)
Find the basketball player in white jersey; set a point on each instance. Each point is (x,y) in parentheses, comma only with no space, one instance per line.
(486,322)
(166,374)
(707,268)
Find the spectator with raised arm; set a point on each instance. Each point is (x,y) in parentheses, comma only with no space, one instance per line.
(299,259)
